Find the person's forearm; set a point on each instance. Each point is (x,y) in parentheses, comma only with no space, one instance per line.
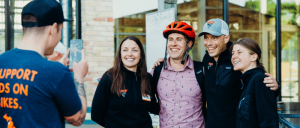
(81,116)
(81,91)
(82,95)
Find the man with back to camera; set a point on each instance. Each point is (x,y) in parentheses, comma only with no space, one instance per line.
(36,92)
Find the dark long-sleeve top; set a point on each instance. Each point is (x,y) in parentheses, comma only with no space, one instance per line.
(127,111)
(223,90)
(257,107)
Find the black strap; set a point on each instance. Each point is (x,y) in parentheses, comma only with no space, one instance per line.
(198,68)
(30,24)
(187,51)
(156,74)
(166,54)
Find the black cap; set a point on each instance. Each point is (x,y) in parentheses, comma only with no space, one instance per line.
(47,12)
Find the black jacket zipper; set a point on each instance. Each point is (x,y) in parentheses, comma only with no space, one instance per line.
(242,84)
(216,73)
(135,90)
(216,65)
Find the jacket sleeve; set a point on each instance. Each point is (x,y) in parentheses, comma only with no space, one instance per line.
(277,92)
(154,108)
(265,104)
(100,101)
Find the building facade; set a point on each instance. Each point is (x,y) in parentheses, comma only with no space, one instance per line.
(104,23)
(255,19)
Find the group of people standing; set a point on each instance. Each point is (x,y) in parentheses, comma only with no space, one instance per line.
(228,89)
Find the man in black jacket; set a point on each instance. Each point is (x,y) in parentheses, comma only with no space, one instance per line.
(222,84)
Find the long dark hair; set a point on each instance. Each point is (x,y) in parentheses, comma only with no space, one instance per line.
(118,76)
(252,46)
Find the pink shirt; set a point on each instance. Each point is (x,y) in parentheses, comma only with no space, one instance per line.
(180,98)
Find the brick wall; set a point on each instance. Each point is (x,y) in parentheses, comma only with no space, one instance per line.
(98,37)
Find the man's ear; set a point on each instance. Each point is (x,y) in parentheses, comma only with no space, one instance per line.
(53,28)
(226,39)
(190,43)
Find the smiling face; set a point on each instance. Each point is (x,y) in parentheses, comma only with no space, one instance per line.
(215,45)
(243,59)
(177,46)
(130,54)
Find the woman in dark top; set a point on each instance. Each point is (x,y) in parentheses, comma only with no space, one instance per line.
(257,107)
(124,96)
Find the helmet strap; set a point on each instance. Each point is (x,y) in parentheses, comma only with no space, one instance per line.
(166,53)
(187,51)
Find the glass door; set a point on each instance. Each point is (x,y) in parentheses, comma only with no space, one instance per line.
(289,61)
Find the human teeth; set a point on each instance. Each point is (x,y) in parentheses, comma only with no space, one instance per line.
(174,50)
(235,62)
(210,48)
(130,59)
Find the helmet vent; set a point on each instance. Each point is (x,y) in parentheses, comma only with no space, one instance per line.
(175,25)
(169,26)
(189,29)
(181,26)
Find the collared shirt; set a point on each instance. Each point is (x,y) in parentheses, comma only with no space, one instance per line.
(180,98)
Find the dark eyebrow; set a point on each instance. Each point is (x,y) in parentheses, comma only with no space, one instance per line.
(176,37)
(124,48)
(217,36)
(128,48)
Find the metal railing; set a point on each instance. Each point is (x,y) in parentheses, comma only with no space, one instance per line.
(283,122)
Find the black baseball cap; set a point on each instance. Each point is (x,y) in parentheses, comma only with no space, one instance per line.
(47,12)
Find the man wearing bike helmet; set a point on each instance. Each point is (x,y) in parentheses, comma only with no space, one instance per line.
(179,81)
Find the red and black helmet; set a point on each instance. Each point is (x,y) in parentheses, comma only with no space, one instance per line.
(183,28)
(180,27)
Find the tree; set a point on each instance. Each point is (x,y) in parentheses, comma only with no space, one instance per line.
(286,8)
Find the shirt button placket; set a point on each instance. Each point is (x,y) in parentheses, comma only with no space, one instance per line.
(177,99)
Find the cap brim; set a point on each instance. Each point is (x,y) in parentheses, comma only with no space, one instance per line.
(210,32)
(68,20)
